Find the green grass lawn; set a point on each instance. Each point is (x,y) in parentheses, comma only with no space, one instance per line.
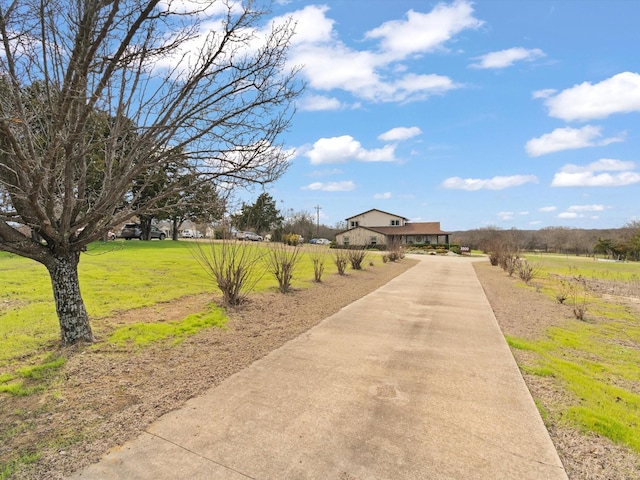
(595,360)
(114,276)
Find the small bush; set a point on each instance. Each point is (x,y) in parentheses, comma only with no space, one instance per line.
(356,257)
(232,266)
(576,291)
(318,257)
(341,260)
(526,271)
(291,239)
(281,262)
(394,252)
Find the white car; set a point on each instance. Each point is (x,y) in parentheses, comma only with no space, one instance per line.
(191,234)
(320,241)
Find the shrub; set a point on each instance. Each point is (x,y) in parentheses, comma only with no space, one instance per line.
(576,291)
(579,296)
(291,239)
(526,271)
(318,256)
(356,257)
(232,266)
(494,258)
(341,259)
(281,262)
(394,252)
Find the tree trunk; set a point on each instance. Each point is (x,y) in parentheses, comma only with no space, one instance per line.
(72,314)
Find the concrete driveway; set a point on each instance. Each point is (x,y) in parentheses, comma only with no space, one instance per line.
(413,381)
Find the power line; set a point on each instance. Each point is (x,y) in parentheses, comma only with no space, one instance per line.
(318,208)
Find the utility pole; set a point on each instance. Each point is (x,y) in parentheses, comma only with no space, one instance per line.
(318,208)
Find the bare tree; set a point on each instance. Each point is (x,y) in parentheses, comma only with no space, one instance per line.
(96,95)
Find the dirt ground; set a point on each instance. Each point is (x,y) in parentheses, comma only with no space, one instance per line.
(109,395)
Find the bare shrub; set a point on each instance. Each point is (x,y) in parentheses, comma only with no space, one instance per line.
(526,271)
(232,266)
(494,258)
(394,251)
(562,291)
(281,262)
(318,257)
(576,291)
(341,260)
(356,257)
(579,296)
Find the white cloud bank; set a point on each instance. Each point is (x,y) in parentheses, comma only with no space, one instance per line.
(345,148)
(372,74)
(495,183)
(589,175)
(578,211)
(567,139)
(506,58)
(587,101)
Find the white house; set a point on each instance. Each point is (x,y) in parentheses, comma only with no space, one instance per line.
(375,227)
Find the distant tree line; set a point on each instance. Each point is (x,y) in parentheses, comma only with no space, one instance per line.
(618,243)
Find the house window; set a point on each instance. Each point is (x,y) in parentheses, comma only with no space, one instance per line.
(345,241)
(353,224)
(395,223)
(373,240)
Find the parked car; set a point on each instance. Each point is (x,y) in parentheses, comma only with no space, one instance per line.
(133,230)
(253,237)
(320,241)
(188,233)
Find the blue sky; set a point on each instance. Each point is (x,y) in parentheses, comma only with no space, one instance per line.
(516,114)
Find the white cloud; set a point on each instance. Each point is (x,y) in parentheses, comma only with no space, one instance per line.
(618,94)
(547,209)
(399,133)
(424,32)
(505,215)
(586,208)
(545,93)
(325,173)
(567,139)
(382,196)
(312,25)
(345,148)
(578,211)
(344,186)
(506,58)
(568,215)
(586,176)
(495,183)
(375,75)
(604,164)
(315,103)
